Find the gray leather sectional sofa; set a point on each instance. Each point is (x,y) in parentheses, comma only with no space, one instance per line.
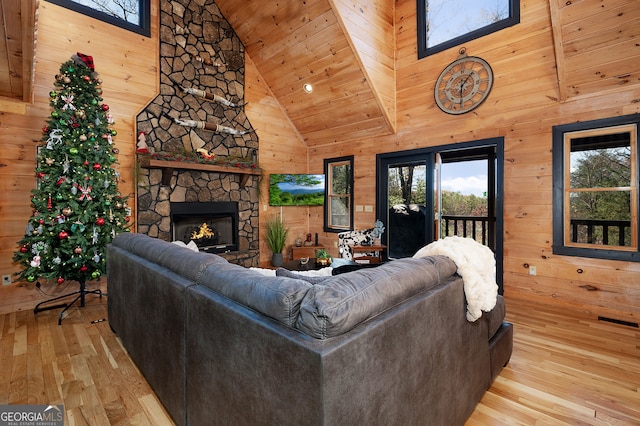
(221,344)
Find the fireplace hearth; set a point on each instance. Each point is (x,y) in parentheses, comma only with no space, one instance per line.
(213,226)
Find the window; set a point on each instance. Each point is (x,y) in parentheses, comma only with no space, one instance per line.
(132,15)
(595,194)
(446,23)
(338,207)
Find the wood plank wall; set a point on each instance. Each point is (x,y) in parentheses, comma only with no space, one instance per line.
(522,107)
(281,150)
(126,62)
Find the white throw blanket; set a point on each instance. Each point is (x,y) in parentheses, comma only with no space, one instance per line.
(476,265)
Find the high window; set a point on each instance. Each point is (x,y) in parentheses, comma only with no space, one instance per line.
(132,15)
(338,208)
(446,23)
(595,196)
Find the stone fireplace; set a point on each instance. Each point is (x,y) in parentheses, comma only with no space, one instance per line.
(178,188)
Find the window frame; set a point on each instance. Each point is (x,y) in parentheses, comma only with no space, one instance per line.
(424,50)
(142,28)
(334,162)
(561,135)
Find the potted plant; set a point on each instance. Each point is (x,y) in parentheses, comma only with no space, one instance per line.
(322,257)
(276,239)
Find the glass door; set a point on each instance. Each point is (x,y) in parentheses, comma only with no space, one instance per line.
(407,208)
(432,193)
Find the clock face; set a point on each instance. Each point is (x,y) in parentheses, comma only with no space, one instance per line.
(463,85)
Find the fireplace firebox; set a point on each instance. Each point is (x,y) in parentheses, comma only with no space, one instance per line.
(213,226)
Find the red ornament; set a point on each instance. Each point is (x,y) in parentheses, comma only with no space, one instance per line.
(86,78)
(84,268)
(24,249)
(77,250)
(127,218)
(100,221)
(63,234)
(60,280)
(41,221)
(97,166)
(86,162)
(105,107)
(45,129)
(49,203)
(40,175)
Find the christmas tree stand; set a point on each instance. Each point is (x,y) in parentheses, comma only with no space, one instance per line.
(80,296)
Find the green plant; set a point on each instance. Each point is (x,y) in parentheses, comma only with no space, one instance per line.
(276,234)
(322,254)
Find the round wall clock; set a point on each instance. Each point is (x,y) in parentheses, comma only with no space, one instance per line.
(464,84)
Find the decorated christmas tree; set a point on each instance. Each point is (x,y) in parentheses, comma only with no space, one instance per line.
(77,209)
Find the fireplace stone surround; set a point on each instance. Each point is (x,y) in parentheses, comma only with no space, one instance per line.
(200,50)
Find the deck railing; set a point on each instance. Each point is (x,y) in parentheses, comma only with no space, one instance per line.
(605,232)
(475,227)
(600,231)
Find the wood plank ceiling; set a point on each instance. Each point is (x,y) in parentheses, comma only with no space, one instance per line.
(328,44)
(17,51)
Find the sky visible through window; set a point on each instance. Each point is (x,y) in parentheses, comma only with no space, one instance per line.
(467,177)
(448,19)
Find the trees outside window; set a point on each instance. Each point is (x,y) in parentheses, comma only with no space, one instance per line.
(446,23)
(596,189)
(132,15)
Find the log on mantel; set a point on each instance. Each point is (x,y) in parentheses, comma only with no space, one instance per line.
(169,166)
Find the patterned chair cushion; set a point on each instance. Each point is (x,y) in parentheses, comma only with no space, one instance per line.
(353,238)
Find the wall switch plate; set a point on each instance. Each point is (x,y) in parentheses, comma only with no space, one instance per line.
(6,280)
(368,209)
(532,270)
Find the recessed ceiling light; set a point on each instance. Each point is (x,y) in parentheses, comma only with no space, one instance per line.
(307,87)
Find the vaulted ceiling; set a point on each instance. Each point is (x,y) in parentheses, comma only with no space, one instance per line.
(345,50)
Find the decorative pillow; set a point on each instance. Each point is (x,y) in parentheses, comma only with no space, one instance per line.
(281,272)
(337,262)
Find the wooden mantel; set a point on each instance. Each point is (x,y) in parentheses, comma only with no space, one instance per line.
(169,166)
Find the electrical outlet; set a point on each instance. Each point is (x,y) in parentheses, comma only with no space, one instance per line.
(532,270)
(6,279)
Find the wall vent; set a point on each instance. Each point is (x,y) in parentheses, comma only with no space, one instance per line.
(617,321)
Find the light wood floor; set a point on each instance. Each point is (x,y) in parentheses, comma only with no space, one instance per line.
(565,369)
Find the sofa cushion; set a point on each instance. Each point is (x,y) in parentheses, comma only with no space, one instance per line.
(339,304)
(276,297)
(282,272)
(180,260)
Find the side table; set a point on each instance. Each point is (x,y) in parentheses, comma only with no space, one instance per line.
(304,251)
(367,254)
(295,265)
